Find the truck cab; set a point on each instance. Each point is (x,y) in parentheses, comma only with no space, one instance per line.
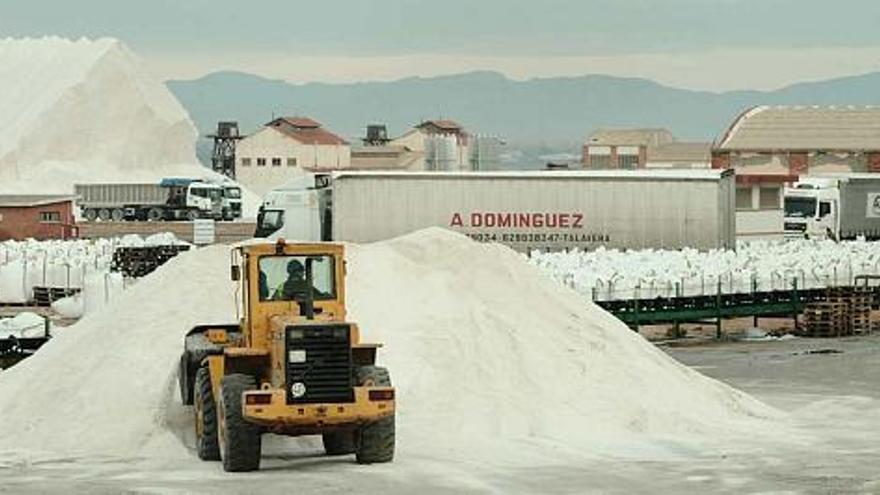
(206,198)
(812,209)
(297,210)
(231,202)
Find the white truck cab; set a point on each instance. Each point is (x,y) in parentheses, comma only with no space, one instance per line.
(206,198)
(297,211)
(812,209)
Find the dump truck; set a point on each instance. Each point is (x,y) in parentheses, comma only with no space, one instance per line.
(294,365)
(558,210)
(170,199)
(834,206)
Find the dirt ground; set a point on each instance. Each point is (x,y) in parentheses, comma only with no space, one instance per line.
(830,387)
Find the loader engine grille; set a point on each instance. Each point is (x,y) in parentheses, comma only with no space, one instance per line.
(319,364)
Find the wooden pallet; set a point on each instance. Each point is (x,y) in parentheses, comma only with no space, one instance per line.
(828,318)
(136,262)
(45,296)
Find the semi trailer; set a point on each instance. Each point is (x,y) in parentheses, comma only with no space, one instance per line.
(170,199)
(834,206)
(524,210)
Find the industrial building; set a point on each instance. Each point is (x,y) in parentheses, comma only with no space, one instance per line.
(36,217)
(440,144)
(433,145)
(642,148)
(770,146)
(796,140)
(283,148)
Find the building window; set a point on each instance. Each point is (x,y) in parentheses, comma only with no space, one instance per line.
(245,162)
(50,216)
(600,161)
(628,161)
(276,162)
(744,198)
(291,162)
(769,198)
(261,162)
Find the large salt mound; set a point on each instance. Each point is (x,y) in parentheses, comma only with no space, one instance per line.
(489,356)
(86,110)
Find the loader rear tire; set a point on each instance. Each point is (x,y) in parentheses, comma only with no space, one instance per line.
(207,445)
(376,439)
(339,443)
(240,441)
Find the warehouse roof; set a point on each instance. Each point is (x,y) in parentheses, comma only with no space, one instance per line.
(32,200)
(443,125)
(630,137)
(769,128)
(305,130)
(680,152)
(383,158)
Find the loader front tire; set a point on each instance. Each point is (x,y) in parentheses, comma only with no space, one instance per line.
(240,441)
(376,440)
(205,408)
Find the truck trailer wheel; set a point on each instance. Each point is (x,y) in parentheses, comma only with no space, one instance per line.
(154,214)
(339,443)
(376,442)
(240,441)
(104,214)
(117,214)
(207,444)
(91,214)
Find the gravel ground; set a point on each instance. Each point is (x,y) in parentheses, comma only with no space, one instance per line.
(830,387)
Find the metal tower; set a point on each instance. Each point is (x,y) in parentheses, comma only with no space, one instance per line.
(225,139)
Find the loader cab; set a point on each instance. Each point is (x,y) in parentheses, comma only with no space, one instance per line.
(288,281)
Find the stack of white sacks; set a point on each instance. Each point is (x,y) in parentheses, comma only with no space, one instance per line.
(72,264)
(763,266)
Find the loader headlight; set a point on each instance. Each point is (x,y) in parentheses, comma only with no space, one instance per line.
(296,356)
(298,389)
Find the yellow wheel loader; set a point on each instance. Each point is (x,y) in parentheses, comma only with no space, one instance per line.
(292,366)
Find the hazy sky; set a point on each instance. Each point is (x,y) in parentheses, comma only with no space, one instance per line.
(703,44)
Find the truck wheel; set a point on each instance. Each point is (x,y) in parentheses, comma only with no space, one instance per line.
(192,215)
(117,215)
(91,214)
(376,443)
(339,443)
(240,441)
(104,214)
(207,445)
(154,214)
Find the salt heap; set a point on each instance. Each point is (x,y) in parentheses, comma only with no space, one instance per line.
(77,110)
(489,356)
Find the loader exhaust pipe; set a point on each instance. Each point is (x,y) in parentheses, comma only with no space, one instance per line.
(308,304)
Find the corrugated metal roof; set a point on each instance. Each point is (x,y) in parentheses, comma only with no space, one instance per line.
(31,200)
(630,137)
(805,128)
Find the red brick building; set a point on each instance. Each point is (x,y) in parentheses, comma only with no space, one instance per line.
(36,216)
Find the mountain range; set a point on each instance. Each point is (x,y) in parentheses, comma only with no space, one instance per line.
(537,117)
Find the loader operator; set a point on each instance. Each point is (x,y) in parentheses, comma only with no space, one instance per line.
(296,286)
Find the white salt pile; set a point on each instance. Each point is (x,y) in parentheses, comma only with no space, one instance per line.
(87,111)
(487,353)
(75,110)
(23,326)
